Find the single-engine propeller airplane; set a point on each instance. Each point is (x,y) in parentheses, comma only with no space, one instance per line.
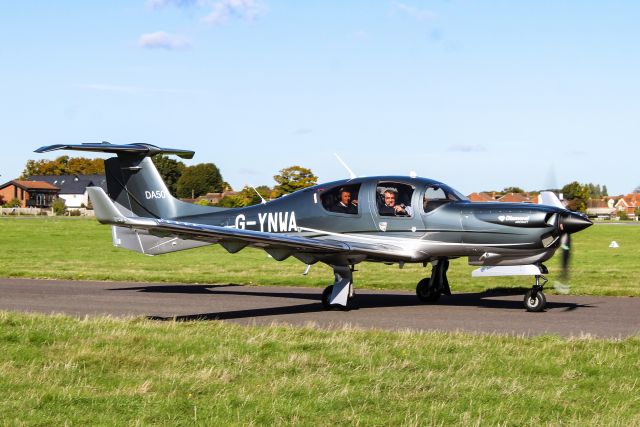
(389,219)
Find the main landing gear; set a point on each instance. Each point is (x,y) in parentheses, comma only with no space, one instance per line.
(429,289)
(534,300)
(338,295)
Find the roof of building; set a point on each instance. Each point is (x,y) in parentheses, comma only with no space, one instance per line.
(481,197)
(596,203)
(72,184)
(515,197)
(31,185)
(632,199)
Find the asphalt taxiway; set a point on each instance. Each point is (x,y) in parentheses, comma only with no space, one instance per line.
(566,315)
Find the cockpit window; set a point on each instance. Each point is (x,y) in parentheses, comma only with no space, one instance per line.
(436,195)
(343,199)
(394,199)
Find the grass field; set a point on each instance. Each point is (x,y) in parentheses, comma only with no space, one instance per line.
(76,248)
(57,370)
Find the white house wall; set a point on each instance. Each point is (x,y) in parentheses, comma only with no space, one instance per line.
(75,200)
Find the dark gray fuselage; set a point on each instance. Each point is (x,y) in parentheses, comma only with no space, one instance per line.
(487,233)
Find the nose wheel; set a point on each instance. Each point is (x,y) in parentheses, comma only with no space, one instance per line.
(534,300)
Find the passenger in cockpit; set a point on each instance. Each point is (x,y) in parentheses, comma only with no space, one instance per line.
(389,208)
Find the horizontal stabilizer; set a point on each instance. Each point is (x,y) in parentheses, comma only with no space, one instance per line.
(143,242)
(106,147)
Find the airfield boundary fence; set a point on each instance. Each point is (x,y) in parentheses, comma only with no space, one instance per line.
(43,212)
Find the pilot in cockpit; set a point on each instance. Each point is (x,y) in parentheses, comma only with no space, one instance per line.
(346,204)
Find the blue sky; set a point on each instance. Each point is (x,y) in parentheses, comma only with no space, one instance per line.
(481,95)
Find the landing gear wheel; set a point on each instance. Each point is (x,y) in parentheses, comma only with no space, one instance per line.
(326,296)
(535,303)
(426,292)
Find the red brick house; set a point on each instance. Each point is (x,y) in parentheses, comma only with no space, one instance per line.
(35,194)
(516,198)
(629,204)
(481,197)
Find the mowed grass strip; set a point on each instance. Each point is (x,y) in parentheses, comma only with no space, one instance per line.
(57,370)
(76,248)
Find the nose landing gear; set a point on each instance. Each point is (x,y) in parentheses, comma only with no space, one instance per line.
(534,300)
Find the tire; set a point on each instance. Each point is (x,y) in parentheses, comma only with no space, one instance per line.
(326,294)
(535,304)
(426,293)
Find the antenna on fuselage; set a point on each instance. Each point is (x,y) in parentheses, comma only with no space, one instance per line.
(351,174)
(263,201)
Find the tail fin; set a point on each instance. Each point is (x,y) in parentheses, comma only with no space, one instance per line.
(549,198)
(134,182)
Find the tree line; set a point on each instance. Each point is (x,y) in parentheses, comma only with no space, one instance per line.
(575,193)
(185,181)
(198,180)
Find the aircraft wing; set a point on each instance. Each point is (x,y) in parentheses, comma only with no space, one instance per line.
(280,246)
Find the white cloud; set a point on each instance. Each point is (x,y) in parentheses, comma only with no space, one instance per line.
(414,12)
(101,87)
(224,10)
(157,4)
(302,131)
(163,40)
(361,35)
(466,148)
(111,88)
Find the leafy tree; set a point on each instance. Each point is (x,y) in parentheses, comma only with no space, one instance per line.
(623,215)
(202,202)
(577,194)
(170,170)
(637,189)
(198,180)
(13,203)
(292,179)
(264,191)
(85,166)
(246,197)
(63,165)
(59,207)
(513,190)
(596,190)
